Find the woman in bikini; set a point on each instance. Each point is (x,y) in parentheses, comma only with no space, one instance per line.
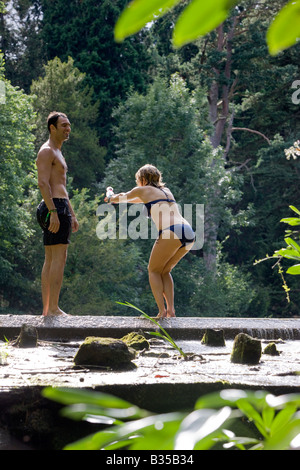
(175,239)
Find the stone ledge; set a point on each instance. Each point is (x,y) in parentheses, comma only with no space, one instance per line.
(185,328)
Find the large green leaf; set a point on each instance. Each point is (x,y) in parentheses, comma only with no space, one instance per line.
(69,396)
(198,19)
(293,221)
(295,209)
(285,29)
(138,13)
(288,253)
(198,426)
(295,270)
(291,242)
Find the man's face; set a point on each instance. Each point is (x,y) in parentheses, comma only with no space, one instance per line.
(63,128)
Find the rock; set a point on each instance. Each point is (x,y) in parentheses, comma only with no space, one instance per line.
(271,349)
(28,337)
(104,352)
(136,341)
(213,338)
(246,350)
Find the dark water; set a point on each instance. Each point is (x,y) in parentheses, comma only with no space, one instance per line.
(7,442)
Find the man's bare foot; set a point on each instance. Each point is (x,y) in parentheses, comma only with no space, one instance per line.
(56,313)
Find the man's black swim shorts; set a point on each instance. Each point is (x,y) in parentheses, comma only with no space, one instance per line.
(63,211)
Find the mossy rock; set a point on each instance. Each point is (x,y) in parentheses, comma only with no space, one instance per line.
(246,350)
(271,350)
(104,352)
(136,341)
(28,337)
(213,338)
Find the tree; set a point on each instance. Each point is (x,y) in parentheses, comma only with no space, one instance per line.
(62,89)
(84,31)
(164,127)
(21,42)
(17,177)
(203,16)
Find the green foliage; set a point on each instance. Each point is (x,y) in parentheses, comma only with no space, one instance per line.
(200,17)
(165,128)
(138,14)
(84,31)
(285,29)
(209,426)
(17,177)
(62,89)
(163,334)
(98,272)
(292,251)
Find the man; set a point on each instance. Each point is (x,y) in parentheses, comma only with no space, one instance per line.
(55,213)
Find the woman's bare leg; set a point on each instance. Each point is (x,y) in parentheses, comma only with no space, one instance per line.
(168,280)
(156,284)
(169,293)
(163,250)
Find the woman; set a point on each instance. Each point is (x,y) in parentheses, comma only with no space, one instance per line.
(175,238)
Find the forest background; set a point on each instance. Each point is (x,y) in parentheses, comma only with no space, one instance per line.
(215,116)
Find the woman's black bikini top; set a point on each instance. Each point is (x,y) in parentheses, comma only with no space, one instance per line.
(149,205)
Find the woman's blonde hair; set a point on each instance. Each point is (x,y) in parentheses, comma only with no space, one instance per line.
(150,175)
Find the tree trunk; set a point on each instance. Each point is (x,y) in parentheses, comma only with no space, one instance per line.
(219,100)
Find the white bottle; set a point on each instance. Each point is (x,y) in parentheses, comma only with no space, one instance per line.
(109,192)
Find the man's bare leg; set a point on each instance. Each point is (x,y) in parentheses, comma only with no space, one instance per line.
(45,280)
(54,277)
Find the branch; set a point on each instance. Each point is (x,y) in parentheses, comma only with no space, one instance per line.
(251,130)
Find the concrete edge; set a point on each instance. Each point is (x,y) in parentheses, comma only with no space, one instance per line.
(185,328)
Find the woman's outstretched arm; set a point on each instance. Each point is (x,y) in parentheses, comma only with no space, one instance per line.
(133,197)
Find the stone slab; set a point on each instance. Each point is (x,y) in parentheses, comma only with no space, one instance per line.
(161,381)
(79,327)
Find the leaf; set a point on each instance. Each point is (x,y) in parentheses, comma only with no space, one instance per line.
(199,18)
(230,398)
(288,253)
(291,221)
(251,413)
(295,209)
(291,242)
(68,396)
(199,425)
(294,270)
(285,29)
(164,336)
(138,13)
(119,433)
(283,418)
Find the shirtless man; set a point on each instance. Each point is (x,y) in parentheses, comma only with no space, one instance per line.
(55,213)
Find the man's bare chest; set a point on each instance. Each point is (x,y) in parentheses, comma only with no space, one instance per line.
(59,164)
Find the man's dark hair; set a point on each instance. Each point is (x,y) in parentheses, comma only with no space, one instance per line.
(53,118)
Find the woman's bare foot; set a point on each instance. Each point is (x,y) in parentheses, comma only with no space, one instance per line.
(171,314)
(161,315)
(56,313)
